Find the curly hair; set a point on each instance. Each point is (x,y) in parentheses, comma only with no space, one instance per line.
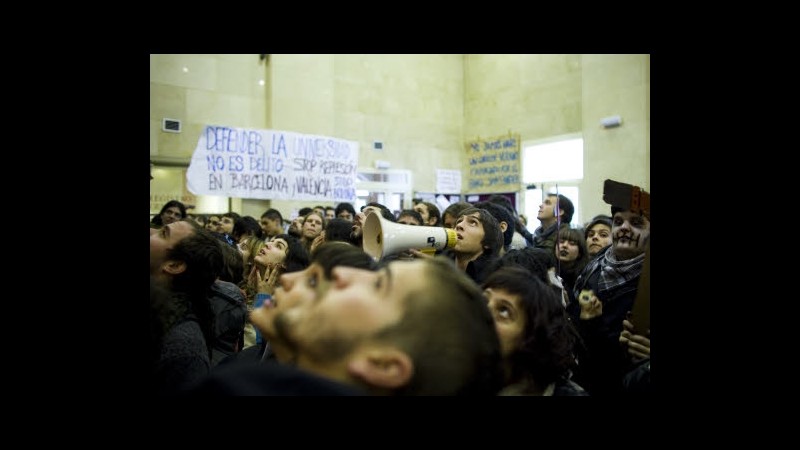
(547,345)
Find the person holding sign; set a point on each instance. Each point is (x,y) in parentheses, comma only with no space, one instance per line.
(637,380)
(606,290)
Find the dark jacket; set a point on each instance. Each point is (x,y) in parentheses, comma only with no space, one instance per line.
(270,378)
(546,239)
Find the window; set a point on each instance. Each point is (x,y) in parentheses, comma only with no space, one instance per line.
(550,160)
(391,188)
(554,164)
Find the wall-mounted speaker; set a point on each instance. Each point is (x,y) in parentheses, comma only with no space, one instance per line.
(611,121)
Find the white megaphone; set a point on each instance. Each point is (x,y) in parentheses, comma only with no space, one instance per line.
(382,237)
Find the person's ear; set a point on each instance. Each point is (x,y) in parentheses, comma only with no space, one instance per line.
(174,267)
(387,368)
(503,226)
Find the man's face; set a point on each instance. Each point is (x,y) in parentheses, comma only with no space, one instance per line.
(597,238)
(297,224)
(164,239)
(469,234)
(213,224)
(547,208)
(226,225)
(171,215)
(449,221)
(630,233)
(271,227)
(312,226)
(330,318)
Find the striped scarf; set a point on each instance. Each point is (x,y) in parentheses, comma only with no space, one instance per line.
(613,273)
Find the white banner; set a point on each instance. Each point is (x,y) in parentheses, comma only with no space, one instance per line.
(272,164)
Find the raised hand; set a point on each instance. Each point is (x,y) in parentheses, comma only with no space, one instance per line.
(638,345)
(267,283)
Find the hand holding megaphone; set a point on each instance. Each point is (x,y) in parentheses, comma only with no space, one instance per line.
(382,237)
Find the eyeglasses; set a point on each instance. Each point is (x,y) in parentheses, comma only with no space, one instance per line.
(213,222)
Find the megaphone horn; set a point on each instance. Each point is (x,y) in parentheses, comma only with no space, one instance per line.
(382,237)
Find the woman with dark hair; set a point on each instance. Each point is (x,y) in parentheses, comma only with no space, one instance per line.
(570,250)
(172,211)
(281,254)
(537,339)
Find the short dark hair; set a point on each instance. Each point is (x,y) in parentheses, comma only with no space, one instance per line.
(546,351)
(564,204)
(247,225)
(203,257)
(502,215)
(502,200)
(157,219)
(528,258)
(413,213)
(449,333)
(455,209)
(339,229)
(273,214)
(385,212)
(296,253)
(345,206)
(233,265)
(600,218)
(492,235)
(433,211)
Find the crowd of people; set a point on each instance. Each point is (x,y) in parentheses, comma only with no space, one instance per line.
(269,306)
